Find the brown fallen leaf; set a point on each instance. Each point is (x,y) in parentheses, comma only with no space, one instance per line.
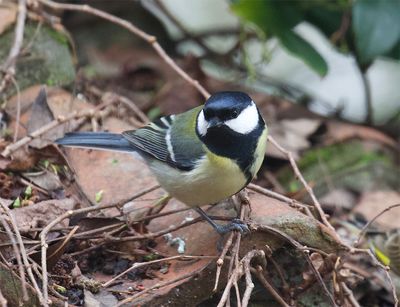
(292,135)
(38,215)
(201,239)
(373,202)
(339,132)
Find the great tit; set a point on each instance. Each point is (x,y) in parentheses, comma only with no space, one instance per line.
(201,156)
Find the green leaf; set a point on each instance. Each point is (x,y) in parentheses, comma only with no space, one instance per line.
(278,18)
(302,49)
(99,196)
(17,203)
(376,27)
(28,191)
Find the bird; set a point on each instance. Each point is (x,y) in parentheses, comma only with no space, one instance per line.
(201,156)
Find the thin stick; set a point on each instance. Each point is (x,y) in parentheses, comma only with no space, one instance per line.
(53,124)
(272,194)
(249,281)
(18,116)
(23,253)
(18,37)
(297,245)
(306,186)
(258,271)
(349,295)
(152,40)
(386,269)
(17,256)
(141,264)
(366,226)
(68,214)
(157,286)
(237,273)
(220,261)
(8,66)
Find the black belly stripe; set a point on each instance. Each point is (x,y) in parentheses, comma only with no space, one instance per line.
(230,144)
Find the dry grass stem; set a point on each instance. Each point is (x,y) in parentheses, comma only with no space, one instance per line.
(8,67)
(23,253)
(157,286)
(258,271)
(366,226)
(17,257)
(141,264)
(306,186)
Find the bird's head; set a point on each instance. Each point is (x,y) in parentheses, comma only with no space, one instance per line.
(228,113)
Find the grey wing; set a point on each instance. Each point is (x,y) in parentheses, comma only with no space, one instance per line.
(159,141)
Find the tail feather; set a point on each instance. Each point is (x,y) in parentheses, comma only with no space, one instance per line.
(97,140)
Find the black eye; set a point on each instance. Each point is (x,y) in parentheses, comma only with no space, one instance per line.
(235,113)
(208,113)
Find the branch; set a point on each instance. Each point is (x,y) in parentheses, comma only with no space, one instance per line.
(157,286)
(259,274)
(366,226)
(68,214)
(8,66)
(23,253)
(298,246)
(306,186)
(17,256)
(141,264)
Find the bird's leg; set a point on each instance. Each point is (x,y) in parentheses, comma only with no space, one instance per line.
(235,224)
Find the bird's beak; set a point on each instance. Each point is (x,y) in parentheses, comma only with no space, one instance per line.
(214,123)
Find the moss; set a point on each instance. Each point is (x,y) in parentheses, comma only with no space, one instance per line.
(347,165)
(48,59)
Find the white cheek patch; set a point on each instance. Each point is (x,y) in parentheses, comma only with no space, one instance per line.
(202,124)
(246,122)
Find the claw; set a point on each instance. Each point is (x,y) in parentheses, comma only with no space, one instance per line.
(235,224)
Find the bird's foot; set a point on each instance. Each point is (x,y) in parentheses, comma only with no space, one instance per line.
(234,225)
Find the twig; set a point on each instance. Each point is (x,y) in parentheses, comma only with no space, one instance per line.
(272,194)
(298,246)
(8,67)
(68,214)
(249,281)
(386,269)
(23,253)
(57,122)
(306,186)
(285,285)
(18,115)
(51,125)
(157,286)
(18,37)
(366,226)
(17,256)
(237,273)
(125,100)
(141,264)
(156,234)
(258,271)
(349,295)
(152,40)
(220,261)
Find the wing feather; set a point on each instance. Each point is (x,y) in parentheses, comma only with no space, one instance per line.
(163,140)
